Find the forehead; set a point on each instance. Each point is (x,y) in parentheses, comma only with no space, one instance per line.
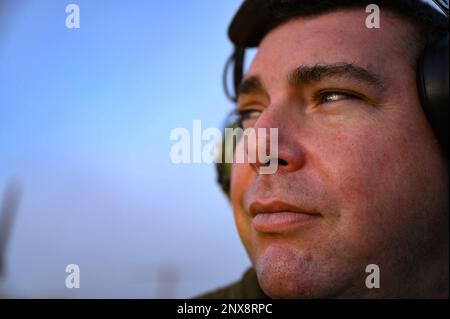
(333,37)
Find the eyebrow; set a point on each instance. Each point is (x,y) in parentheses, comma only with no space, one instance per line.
(304,75)
(250,85)
(310,74)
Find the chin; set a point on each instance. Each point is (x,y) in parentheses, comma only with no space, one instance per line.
(285,272)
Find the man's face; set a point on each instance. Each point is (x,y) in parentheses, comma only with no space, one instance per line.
(360,178)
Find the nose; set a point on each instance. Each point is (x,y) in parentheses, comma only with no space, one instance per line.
(284,149)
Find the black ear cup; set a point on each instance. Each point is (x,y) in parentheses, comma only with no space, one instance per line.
(223,168)
(236,64)
(433,87)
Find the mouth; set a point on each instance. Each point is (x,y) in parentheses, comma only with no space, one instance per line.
(280,217)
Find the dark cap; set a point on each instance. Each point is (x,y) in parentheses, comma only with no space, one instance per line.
(250,23)
(255,18)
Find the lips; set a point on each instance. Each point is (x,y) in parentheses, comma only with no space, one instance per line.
(276,216)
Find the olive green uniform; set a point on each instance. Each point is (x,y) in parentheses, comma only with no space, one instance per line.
(246,288)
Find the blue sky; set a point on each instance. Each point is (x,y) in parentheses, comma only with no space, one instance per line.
(85,121)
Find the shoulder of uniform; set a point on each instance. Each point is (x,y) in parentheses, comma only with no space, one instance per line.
(245,288)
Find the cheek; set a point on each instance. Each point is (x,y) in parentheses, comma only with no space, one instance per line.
(352,165)
(357,167)
(375,178)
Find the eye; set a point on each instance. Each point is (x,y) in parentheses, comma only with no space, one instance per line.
(248,117)
(329,97)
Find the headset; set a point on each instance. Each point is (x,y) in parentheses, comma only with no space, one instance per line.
(251,23)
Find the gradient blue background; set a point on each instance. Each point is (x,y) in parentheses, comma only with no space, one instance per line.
(85,118)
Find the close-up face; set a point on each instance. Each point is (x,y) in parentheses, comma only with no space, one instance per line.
(361,179)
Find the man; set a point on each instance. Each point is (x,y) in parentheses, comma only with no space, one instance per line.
(362,179)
